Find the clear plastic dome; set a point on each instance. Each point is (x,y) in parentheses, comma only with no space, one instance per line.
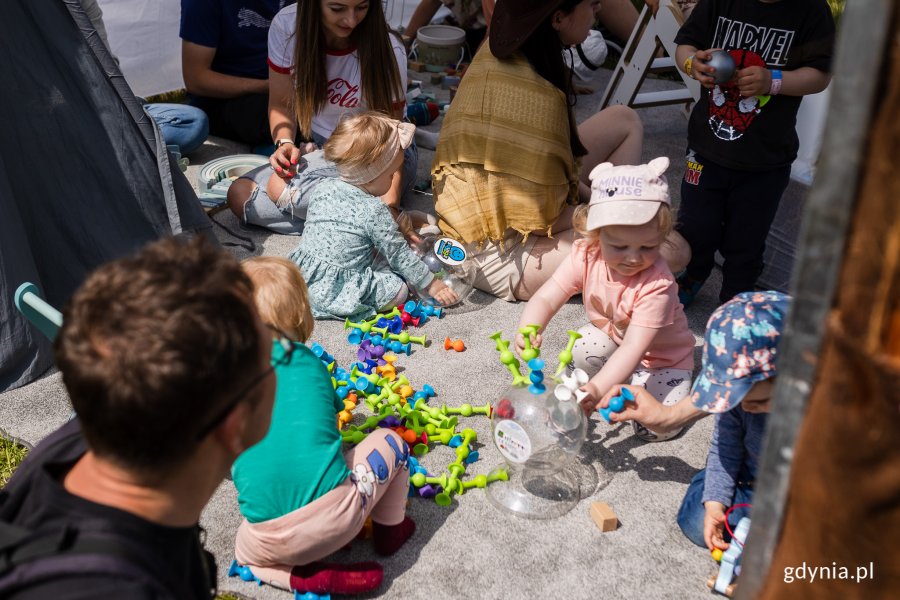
(540,437)
(446,258)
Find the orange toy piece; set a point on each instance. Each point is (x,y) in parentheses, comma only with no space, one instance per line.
(457,345)
(406,391)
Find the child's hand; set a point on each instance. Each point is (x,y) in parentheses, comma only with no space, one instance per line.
(404,224)
(536,340)
(589,403)
(701,71)
(440,292)
(754,81)
(714,526)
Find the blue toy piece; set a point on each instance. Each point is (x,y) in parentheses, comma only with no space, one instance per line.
(397,348)
(536,376)
(342,391)
(616,404)
(429,391)
(310,596)
(431,310)
(355,337)
(236,570)
(731,560)
(472,457)
(413,308)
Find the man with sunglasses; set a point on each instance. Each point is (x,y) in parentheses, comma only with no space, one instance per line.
(167,366)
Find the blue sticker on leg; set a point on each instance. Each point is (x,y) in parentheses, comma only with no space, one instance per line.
(379,466)
(402,455)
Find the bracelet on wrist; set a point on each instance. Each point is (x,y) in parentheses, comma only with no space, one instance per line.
(282,142)
(777,80)
(689,65)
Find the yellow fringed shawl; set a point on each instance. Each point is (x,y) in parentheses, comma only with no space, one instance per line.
(504,158)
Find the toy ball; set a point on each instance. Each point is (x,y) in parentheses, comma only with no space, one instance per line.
(539,436)
(447,259)
(724,65)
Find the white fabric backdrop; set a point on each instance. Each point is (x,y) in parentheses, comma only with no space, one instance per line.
(143,34)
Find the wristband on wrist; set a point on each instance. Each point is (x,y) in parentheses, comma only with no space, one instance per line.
(688,65)
(282,142)
(777,79)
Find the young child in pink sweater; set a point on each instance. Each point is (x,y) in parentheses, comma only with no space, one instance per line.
(637,329)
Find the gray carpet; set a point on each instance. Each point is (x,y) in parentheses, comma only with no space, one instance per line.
(472,549)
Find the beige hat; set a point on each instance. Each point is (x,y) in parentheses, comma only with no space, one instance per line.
(401,140)
(627,194)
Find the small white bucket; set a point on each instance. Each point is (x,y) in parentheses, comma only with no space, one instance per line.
(440,45)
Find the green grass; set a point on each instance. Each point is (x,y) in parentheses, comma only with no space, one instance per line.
(11,454)
(173,97)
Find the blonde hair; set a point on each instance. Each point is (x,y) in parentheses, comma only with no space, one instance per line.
(664,221)
(280,294)
(360,139)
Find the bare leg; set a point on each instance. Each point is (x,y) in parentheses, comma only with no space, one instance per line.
(615,135)
(238,194)
(620,17)
(546,256)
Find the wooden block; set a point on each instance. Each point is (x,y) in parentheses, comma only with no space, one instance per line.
(604,516)
(729,591)
(416,66)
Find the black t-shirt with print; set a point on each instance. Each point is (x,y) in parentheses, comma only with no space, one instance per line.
(759,133)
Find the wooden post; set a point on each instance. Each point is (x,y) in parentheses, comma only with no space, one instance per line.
(843,502)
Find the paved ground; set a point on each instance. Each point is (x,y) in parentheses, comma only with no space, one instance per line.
(471,549)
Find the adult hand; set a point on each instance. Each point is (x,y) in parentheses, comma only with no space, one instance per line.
(714,526)
(285,158)
(644,408)
(754,81)
(701,71)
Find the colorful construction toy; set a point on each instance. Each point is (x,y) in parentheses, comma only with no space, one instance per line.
(457,345)
(508,358)
(565,357)
(616,403)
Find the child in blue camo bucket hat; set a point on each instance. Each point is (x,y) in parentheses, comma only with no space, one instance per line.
(736,381)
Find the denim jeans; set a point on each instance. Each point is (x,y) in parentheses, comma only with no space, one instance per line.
(692,512)
(181,125)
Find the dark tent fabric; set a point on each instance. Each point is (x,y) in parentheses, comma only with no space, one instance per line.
(84,175)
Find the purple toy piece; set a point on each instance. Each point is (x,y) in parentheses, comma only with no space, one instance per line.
(428,491)
(389,421)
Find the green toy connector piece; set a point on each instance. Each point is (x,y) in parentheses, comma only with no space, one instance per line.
(565,357)
(363,326)
(404,338)
(530,352)
(509,359)
(352,436)
(382,331)
(467,410)
(497,474)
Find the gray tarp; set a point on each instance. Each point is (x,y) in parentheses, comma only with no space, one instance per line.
(84,177)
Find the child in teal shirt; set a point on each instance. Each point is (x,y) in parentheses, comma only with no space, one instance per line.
(302,498)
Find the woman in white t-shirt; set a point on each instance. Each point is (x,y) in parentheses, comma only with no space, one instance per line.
(327,58)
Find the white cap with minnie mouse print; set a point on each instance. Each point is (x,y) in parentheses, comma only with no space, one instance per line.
(627,194)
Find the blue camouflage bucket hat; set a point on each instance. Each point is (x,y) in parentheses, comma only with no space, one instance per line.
(739,349)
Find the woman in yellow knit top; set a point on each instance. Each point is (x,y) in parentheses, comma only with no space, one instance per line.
(511,162)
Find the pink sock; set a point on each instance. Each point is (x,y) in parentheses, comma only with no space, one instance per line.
(388,539)
(332,578)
